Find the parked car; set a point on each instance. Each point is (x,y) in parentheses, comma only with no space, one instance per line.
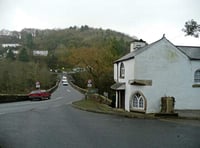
(39,94)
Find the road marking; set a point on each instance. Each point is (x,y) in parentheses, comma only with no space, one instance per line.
(68,90)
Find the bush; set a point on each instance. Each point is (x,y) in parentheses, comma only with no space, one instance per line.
(12,98)
(20,77)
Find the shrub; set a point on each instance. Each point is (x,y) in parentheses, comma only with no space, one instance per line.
(20,77)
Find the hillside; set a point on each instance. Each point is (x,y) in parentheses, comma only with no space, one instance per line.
(82,37)
(72,37)
(92,49)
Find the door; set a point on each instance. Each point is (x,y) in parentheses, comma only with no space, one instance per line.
(121,99)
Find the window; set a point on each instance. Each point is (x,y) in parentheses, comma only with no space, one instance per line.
(122,70)
(137,101)
(197,76)
(141,103)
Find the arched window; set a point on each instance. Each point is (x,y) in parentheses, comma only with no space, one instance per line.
(141,102)
(122,70)
(197,76)
(137,102)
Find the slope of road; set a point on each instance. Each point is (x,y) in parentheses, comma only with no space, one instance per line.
(63,95)
(55,124)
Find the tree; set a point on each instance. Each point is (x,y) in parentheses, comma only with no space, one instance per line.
(10,55)
(117,47)
(27,39)
(192,28)
(23,55)
(20,77)
(52,61)
(98,65)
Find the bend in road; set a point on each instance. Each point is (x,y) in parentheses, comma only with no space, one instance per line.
(54,123)
(63,95)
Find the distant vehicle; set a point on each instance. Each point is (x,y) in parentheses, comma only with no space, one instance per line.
(64,78)
(65,82)
(39,94)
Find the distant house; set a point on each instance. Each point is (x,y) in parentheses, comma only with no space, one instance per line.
(40,52)
(150,72)
(16,34)
(14,51)
(14,45)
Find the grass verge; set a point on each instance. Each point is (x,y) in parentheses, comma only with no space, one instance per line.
(94,106)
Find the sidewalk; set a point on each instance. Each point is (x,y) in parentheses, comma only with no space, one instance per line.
(189,114)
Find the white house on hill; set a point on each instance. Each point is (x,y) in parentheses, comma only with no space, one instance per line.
(40,53)
(10,45)
(151,72)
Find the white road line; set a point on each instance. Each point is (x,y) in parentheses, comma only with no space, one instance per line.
(68,90)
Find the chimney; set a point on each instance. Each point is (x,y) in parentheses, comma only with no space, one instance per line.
(136,44)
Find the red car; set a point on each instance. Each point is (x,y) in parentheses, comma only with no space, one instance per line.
(39,94)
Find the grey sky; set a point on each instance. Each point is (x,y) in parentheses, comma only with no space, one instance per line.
(146,19)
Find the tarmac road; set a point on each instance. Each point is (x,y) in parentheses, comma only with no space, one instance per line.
(55,123)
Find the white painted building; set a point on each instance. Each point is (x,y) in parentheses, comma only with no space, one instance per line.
(40,52)
(157,70)
(14,45)
(14,51)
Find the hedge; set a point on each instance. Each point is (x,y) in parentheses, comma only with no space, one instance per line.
(13,97)
(5,98)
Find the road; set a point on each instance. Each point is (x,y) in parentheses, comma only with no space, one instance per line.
(55,123)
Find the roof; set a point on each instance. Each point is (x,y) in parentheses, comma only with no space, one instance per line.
(193,53)
(118,86)
(140,40)
(131,55)
(140,82)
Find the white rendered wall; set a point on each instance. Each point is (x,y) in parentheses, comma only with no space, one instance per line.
(172,74)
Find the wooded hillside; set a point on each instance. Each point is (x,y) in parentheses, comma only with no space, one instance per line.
(92,49)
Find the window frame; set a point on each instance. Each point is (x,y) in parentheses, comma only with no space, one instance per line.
(122,71)
(197,76)
(138,102)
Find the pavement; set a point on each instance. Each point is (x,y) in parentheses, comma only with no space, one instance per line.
(189,114)
(183,115)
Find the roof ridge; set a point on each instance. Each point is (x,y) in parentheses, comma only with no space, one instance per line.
(187,46)
(134,53)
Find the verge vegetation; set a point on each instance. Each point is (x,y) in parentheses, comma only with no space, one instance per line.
(94,105)
(20,77)
(90,49)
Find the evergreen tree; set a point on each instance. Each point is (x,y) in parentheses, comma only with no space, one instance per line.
(10,55)
(23,55)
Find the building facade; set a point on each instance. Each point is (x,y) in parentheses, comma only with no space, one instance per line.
(40,53)
(160,69)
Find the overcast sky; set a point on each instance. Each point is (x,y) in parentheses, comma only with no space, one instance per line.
(146,19)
